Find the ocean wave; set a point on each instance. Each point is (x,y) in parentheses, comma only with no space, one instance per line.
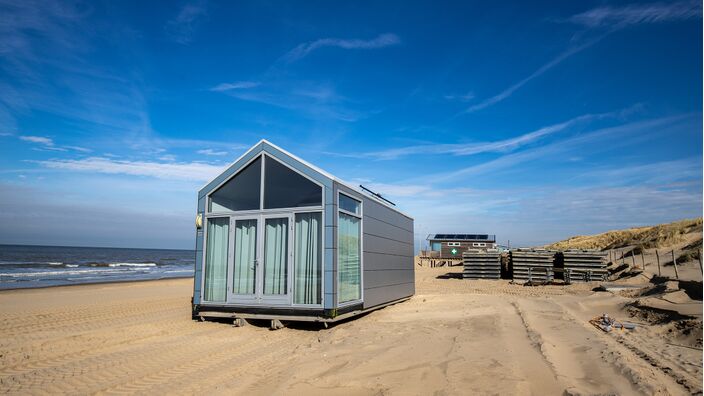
(55,273)
(125,264)
(132,265)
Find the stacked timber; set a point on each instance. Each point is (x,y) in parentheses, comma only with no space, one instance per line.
(584,265)
(481,264)
(533,265)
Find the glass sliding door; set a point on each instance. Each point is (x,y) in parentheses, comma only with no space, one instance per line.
(348,257)
(245,257)
(217,248)
(307,258)
(276,255)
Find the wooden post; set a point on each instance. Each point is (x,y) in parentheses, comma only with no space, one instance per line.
(642,259)
(700,260)
(623,260)
(674,262)
(657,256)
(633,258)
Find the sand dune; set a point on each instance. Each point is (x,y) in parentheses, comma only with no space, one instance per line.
(454,337)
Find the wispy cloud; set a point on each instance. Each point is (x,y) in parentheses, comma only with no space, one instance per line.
(311,99)
(611,18)
(618,136)
(182,28)
(499,146)
(47,144)
(211,152)
(38,139)
(462,98)
(236,85)
(302,50)
(540,71)
(191,171)
(638,13)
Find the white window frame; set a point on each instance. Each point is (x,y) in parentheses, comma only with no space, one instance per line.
(259,214)
(454,244)
(360,216)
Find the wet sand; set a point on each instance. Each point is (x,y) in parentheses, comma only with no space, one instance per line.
(454,337)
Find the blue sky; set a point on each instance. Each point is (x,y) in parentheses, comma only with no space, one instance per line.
(532,121)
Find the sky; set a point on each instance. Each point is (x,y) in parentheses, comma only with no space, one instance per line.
(533,121)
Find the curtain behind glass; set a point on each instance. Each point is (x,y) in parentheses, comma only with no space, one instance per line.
(216,259)
(275,256)
(245,256)
(348,258)
(308,268)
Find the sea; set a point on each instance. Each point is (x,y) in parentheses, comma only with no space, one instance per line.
(24,266)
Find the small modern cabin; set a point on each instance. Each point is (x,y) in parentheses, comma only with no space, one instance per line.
(453,245)
(279,238)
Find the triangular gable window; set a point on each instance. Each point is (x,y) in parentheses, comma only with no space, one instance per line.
(285,188)
(242,192)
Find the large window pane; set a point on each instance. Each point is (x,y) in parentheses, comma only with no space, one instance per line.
(216,259)
(245,256)
(308,259)
(284,188)
(242,192)
(348,258)
(276,256)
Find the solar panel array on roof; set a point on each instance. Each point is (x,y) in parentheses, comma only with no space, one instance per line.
(461,236)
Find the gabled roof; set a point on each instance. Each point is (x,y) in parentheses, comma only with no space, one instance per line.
(262,146)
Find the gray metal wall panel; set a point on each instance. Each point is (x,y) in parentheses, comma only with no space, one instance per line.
(375,279)
(198,265)
(381,295)
(380,261)
(375,244)
(375,227)
(383,213)
(331,233)
(329,277)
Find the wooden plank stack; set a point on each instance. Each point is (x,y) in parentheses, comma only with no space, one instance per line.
(532,265)
(481,264)
(584,265)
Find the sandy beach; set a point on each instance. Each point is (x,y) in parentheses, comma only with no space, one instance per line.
(454,337)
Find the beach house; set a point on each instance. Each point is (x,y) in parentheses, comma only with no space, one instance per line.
(278,238)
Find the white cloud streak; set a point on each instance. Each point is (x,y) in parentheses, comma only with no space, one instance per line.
(627,134)
(38,139)
(314,100)
(211,152)
(47,144)
(464,149)
(540,71)
(612,18)
(637,14)
(302,50)
(236,85)
(193,171)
